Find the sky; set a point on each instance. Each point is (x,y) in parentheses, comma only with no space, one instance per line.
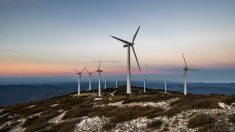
(48,38)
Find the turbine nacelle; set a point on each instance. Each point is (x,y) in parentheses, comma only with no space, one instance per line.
(99,71)
(186,68)
(128,45)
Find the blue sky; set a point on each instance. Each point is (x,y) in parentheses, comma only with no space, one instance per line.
(50,37)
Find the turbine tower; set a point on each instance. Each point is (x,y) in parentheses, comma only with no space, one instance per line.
(165,86)
(105,86)
(79,79)
(145,79)
(116,82)
(90,73)
(186,68)
(99,72)
(129,45)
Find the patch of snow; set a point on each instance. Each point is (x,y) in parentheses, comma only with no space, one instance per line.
(162,104)
(19,128)
(1,110)
(31,106)
(57,119)
(37,114)
(224,106)
(179,121)
(98,99)
(119,104)
(91,124)
(112,94)
(1,116)
(60,111)
(135,125)
(54,105)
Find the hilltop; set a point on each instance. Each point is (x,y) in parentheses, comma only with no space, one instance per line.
(116,111)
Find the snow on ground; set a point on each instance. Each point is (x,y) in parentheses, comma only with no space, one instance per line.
(97,99)
(19,128)
(227,107)
(112,94)
(1,116)
(1,110)
(179,122)
(61,110)
(31,106)
(162,104)
(54,105)
(57,119)
(136,125)
(93,124)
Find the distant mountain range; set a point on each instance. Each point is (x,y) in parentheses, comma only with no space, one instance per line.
(22,93)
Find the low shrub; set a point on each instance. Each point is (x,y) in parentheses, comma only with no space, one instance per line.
(232,118)
(201,120)
(156,124)
(229,100)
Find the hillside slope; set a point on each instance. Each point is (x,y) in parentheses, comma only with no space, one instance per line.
(116,111)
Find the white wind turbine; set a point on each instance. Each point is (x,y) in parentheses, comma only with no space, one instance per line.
(145,79)
(90,73)
(116,82)
(99,72)
(186,68)
(79,79)
(165,86)
(129,45)
(105,86)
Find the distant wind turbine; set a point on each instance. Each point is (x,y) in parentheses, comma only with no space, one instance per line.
(90,73)
(99,72)
(79,79)
(116,82)
(145,79)
(129,45)
(186,68)
(165,86)
(105,86)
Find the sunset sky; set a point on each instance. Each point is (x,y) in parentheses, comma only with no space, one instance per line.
(47,38)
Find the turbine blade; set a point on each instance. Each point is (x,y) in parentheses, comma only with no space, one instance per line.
(76,70)
(99,64)
(83,69)
(87,70)
(184,60)
(124,41)
(136,57)
(135,35)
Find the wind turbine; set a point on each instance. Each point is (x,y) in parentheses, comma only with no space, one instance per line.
(145,79)
(129,45)
(116,82)
(79,79)
(165,86)
(186,68)
(99,72)
(105,86)
(90,73)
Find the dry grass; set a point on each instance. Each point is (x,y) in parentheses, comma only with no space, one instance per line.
(232,118)
(156,124)
(84,106)
(201,120)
